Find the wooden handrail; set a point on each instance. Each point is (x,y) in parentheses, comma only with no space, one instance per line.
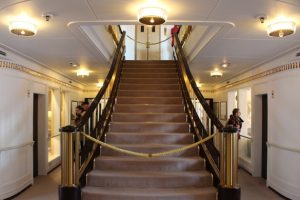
(102,91)
(197,92)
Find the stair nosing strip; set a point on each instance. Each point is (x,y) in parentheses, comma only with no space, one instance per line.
(148,97)
(175,123)
(143,104)
(142,113)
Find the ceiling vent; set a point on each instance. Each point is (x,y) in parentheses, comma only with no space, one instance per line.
(298,54)
(2,53)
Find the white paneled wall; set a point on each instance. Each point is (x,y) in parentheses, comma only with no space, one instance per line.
(283,125)
(16,127)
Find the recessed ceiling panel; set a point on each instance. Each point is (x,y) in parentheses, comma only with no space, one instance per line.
(177,9)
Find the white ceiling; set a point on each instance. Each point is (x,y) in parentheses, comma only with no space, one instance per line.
(74,35)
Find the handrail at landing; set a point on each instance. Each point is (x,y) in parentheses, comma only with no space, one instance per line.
(192,81)
(103,89)
(77,153)
(222,164)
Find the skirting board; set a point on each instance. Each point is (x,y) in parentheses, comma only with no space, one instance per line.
(15,187)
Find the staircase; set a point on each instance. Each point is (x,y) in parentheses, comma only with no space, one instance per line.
(149,117)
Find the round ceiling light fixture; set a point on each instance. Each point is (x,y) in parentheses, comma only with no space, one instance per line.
(216,73)
(83,73)
(100,84)
(225,64)
(22,28)
(152,15)
(281,28)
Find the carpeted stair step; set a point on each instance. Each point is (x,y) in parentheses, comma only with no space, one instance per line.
(149,70)
(149,148)
(148,75)
(149,100)
(149,117)
(168,164)
(154,93)
(193,193)
(149,179)
(164,127)
(139,80)
(143,63)
(149,108)
(149,138)
(147,87)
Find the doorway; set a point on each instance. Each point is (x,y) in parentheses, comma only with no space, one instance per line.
(39,135)
(145,37)
(264,155)
(35,135)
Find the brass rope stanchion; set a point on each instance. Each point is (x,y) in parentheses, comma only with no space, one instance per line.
(229,188)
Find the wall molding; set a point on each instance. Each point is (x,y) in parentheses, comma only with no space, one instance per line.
(283,147)
(270,72)
(17,146)
(34,73)
(10,189)
(208,91)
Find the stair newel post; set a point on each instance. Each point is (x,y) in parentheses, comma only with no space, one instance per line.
(69,188)
(229,188)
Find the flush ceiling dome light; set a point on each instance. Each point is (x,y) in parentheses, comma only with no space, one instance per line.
(216,74)
(152,15)
(23,28)
(225,64)
(99,84)
(281,29)
(83,73)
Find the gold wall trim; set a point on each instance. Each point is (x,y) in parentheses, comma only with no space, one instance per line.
(90,90)
(21,68)
(208,91)
(282,68)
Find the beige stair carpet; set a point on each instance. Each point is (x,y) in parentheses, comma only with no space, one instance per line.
(149,117)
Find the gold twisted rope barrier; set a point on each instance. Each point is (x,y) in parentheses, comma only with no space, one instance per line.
(149,155)
(149,43)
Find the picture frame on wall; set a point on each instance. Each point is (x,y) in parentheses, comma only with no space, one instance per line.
(74,104)
(223,110)
(216,109)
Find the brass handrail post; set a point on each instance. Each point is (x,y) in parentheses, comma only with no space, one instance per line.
(229,188)
(69,188)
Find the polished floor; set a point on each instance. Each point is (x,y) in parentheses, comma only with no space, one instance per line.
(46,187)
